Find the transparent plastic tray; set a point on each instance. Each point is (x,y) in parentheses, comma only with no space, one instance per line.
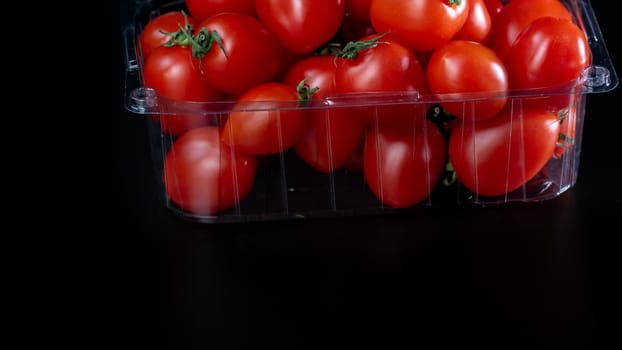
(286,187)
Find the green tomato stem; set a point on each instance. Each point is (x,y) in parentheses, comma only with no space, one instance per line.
(352,49)
(304,90)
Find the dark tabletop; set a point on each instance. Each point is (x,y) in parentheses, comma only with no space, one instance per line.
(507,276)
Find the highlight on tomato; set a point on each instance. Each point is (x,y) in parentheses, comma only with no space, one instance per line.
(478,25)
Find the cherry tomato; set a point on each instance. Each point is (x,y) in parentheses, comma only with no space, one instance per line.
(203,176)
(250,54)
(332,135)
(478,24)
(383,66)
(516,16)
(548,52)
(175,74)
(260,125)
(498,155)
(565,106)
(154,33)
(403,166)
(302,25)
(421,25)
(203,9)
(461,67)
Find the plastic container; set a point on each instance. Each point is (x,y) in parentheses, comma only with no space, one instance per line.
(285,186)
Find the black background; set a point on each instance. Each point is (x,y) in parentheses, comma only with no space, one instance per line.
(505,276)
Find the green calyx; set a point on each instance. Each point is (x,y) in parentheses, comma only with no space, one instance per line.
(352,49)
(200,42)
(182,37)
(305,91)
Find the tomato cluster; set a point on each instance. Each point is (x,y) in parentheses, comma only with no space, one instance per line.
(349,84)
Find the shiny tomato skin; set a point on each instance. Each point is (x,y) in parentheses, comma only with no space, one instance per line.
(203,176)
(318,71)
(302,26)
(516,16)
(478,24)
(549,52)
(496,156)
(463,67)
(154,33)
(175,74)
(403,166)
(420,25)
(388,67)
(251,54)
(269,129)
(332,135)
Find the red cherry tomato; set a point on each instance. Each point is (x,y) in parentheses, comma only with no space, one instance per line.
(260,125)
(548,52)
(478,24)
(421,25)
(302,26)
(516,16)
(250,54)
(154,33)
(175,74)
(203,176)
(332,135)
(403,166)
(461,67)
(385,66)
(498,155)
